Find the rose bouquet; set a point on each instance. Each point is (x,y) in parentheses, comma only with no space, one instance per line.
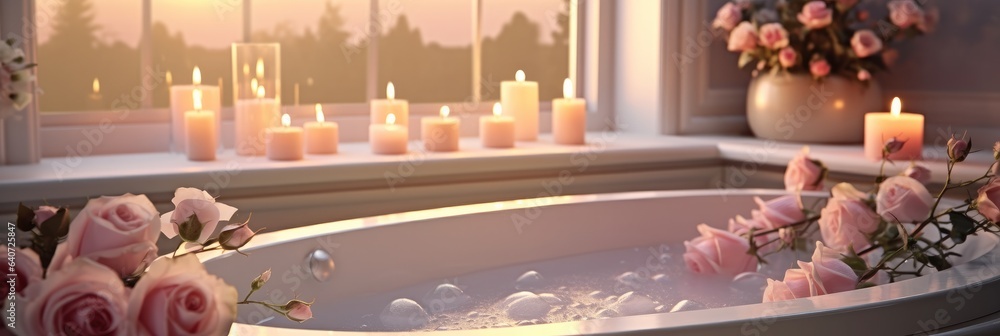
(821,38)
(100,274)
(894,231)
(15,76)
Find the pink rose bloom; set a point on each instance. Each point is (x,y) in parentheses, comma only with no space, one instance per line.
(28,269)
(905,13)
(804,174)
(781,212)
(819,68)
(826,274)
(787,57)
(119,232)
(988,201)
(82,298)
(743,38)
(865,43)
(847,223)
(815,15)
(718,252)
(192,201)
(919,173)
(43,213)
(864,75)
(178,297)
(903,198)
(773,36)
(728,16)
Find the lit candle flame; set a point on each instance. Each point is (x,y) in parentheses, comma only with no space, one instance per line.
(445,111)
(253,85)
(568,89)
(519,76)
(246,70)
(319,113)
(390,91)
(196,76)
(260,92)
(96,86)
(897,106)
(260,68)
(169,77)
(497,109)
(196,95)
(390,119)
(286,120)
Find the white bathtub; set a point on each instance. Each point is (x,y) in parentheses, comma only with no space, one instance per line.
(379,254)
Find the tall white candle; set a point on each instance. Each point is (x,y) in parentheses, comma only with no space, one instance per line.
(200,131)
(252,119)
(181,102)
(569,117)
(520,98)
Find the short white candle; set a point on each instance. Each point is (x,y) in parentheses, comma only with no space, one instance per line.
(285,143)
(388,138)
(569,117)
(497,131)
(381,108)
(322,137)
(200,131)
(520,99)
(440,134)
(881,126)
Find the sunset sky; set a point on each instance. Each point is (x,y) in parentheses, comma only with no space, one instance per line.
(216,24)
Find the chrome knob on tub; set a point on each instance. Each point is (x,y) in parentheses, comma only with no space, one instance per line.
(320,265)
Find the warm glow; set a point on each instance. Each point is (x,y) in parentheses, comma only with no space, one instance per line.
(169,77)
(568,89)
(519,76)
(497,109)
(253,85)
(838,104)
(445,111)
(260,92)
(319,113)
(390,119)
(246,70)
(97,86)
(897,106)
(286,120)
(390,91)
(260,68)
(196,76)
(196,95)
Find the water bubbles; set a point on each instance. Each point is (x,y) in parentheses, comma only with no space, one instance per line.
(629,281)
(606,313)
(472,314)
(445,297)
(526,306)
(529,280)
(687,305)
(551,298)
(596,294)
(634,304)
(404,314)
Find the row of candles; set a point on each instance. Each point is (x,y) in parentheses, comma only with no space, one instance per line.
(515,118)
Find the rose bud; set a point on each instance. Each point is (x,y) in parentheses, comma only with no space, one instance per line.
(261,280)
(298,311)
(235,236)
(919,173)
(892,146)
(958,149)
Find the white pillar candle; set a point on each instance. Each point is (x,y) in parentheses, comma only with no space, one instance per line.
(497,131)
(440,134)
(252,118)
(322,137)
(520,99)
(181,102)
(200,131)
(881,126)
(381,108)
(285,143)
(388,138)
(569,117)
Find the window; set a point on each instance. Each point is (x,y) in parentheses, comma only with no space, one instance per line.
(529,35)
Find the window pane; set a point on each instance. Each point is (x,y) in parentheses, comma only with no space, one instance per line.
(426,49)
(83,40)
(192,33)
(529,35)
(321,48)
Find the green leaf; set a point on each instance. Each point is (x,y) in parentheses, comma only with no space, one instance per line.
(25,218)
(859,265)
(56,224)
(961,226)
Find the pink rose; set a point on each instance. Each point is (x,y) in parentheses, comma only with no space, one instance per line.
(82,298)
(728,16)
(905,13)
(847,223)
(958,148)
(28,269)
(815,15)
(819,68)
(43,213)
(864,75)
(904,199)
(919,173)
(826,274)
(743,38)
(780,212)
(298,310)
(119,232)
(178,297)
(804,174)
(718,252)
(191,201)
(988,201)
(787,57)
(773,36)
(865,43)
